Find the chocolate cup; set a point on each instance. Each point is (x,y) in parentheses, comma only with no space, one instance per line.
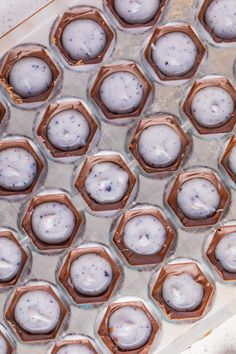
(225,84)
(64,276)
(24,144)
(201,18)
(104,72)
(62,343)
(103,330)
(85,170)
(25,336)
(136,259)
(51,111)
(8,344)
(192,269)
(27,224)
(79,14)
(225,158)
(186,176)
(13,281)
(123,23)
(2,111)
(166,120)
(163,30)
(24,51)
(220,233)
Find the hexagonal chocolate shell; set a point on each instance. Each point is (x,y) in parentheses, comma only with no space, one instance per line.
(123,23)
(86,168)
(103,330)
(104,72)
(81,14)
(25,336)
(161,31)
(136,259)
(18,53)
(62,343)
(225,84)
(9,235)
(24,144)
(220,233)
(174,269)
(51,111)
(225,158)
(64,275)
(186,176)
(27,224)
(165,120)
(10,348)
(2,111)
(201,17)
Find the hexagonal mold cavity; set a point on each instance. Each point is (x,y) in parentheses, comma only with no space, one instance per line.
(2,111)
(228,159)
(50,113)
(213,185)
(138,259)
(224,86)
(116,161)
(4,115)
(83,14)
(152,18)
(209,5)
(22,144)
(64,201)
(5,340)
(220,234)
(25,335)
(13,278)
(136,103)
(173,127)
(84,297)
(20,53)
(104,331)
(187,32)
(83,342)
(178,269)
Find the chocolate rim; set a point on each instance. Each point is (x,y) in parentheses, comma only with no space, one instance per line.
(85,170)
(63,343)
(163,30)
(197,86)
(78,14)
(2,112)
(123,23)
(13,281)
(27,225)
(24,335)
(20,52)
(166,120)
(198,275)
(220,233)
(64,275)
(136,259)
(201,18)
(8,344)
(104,72)
(26,145)
(103,330)
(225,158)
(51,111)
(208,175)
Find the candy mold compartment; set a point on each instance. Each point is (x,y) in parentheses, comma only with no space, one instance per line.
(205,151)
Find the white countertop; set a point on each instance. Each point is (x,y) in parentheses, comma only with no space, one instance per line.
(14,12)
